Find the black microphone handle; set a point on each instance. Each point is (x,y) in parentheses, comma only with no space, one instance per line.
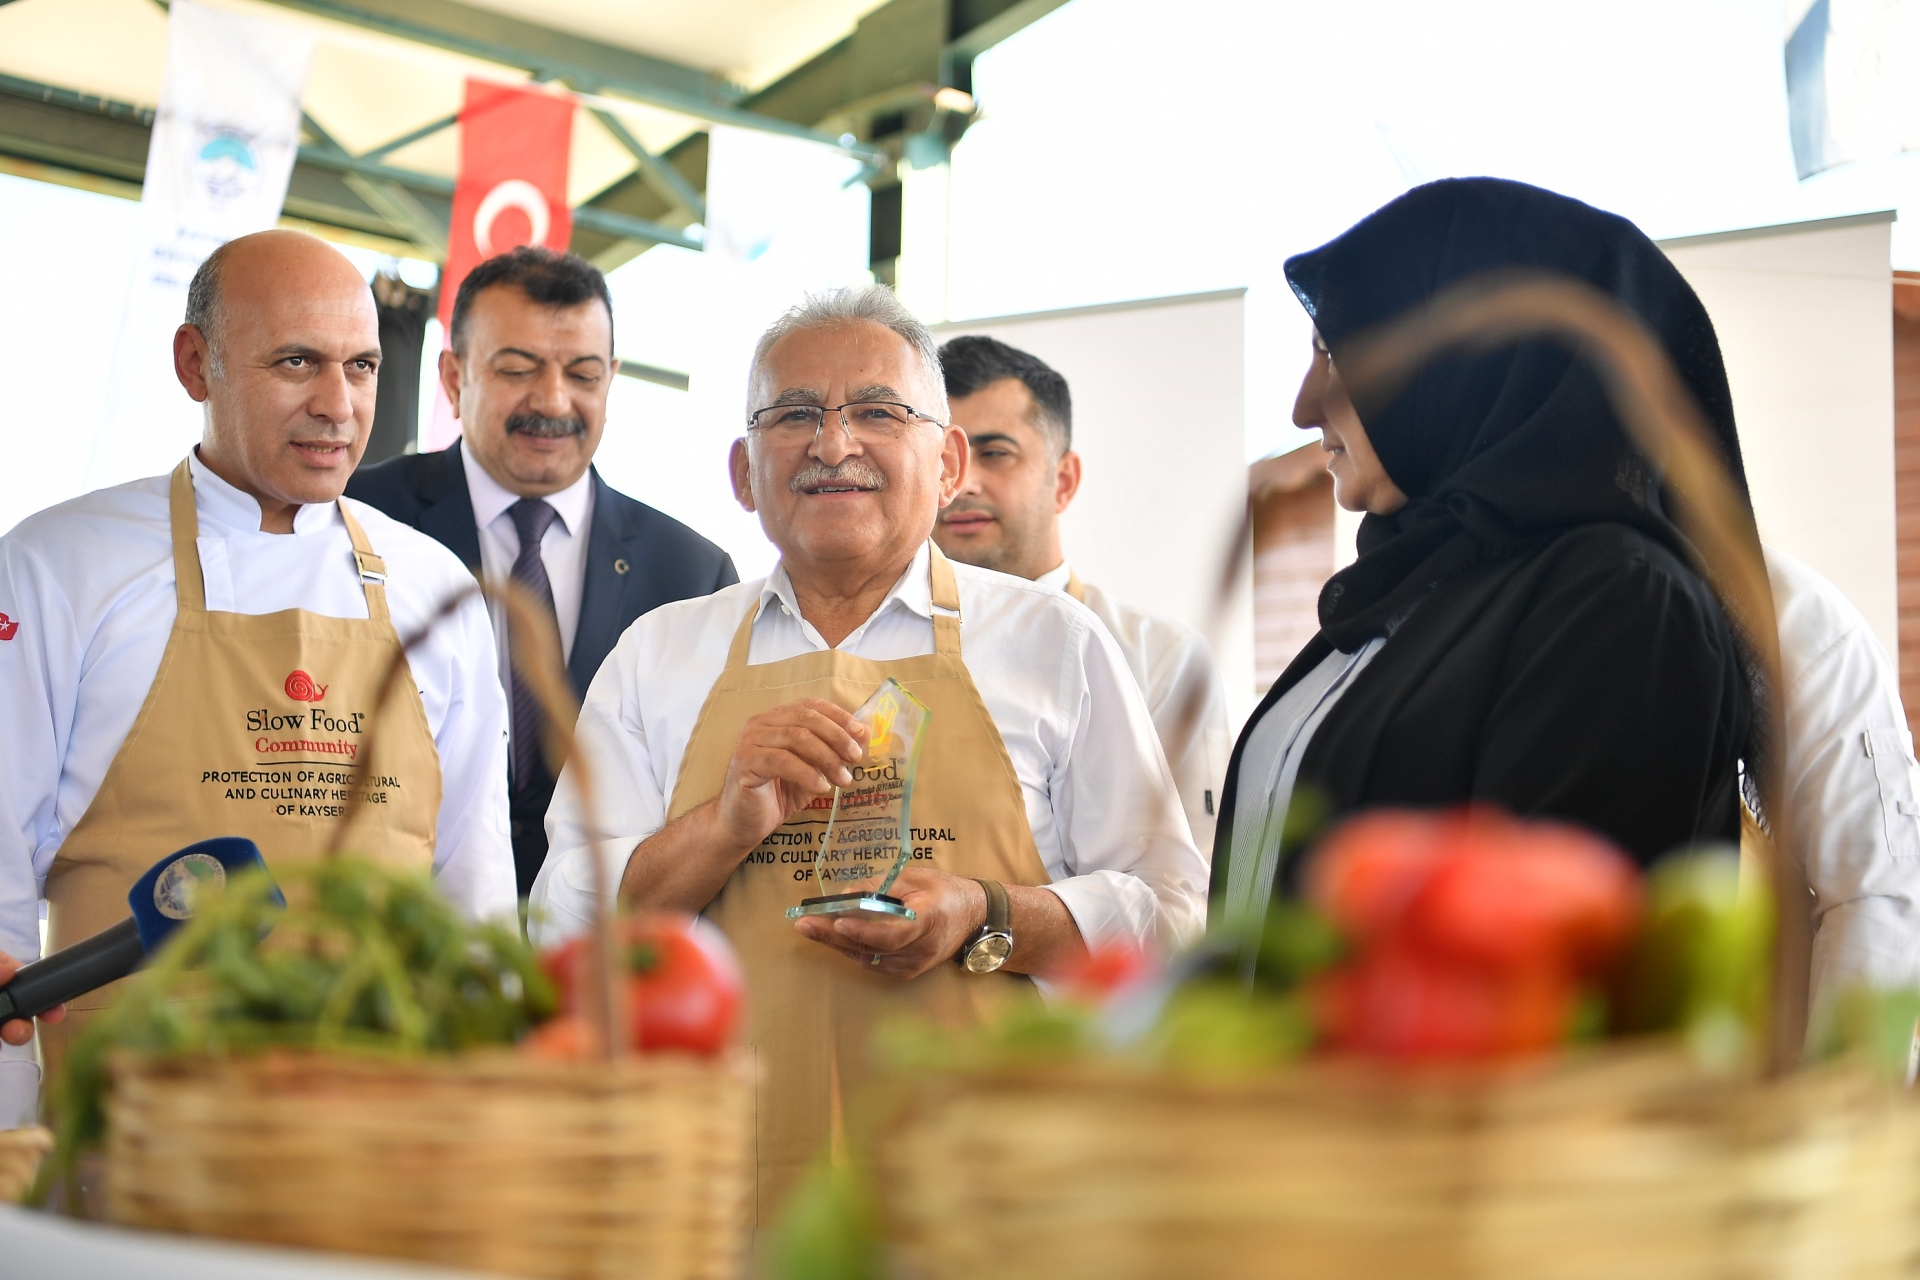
(85,966)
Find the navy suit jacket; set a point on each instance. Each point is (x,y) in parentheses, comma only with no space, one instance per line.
(637,559)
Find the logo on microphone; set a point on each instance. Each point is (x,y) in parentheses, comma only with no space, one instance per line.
(174,891)
(300,687)
(8,627)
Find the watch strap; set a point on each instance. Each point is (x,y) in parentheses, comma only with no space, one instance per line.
(999,910)
(999,920)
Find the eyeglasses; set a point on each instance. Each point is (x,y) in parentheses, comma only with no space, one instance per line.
(868,421)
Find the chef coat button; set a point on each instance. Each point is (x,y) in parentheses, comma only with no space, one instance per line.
(786,611)
(621,566)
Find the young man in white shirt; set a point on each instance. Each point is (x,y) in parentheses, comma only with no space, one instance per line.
(1018,416)
(277,608)
(1043,815)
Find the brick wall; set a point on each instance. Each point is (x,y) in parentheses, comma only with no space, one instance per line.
(1292,499)
(1906,482)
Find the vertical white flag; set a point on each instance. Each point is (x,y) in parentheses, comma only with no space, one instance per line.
(224,141)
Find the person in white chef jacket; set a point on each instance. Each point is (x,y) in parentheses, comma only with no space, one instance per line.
(1850,775)
(1017,412)
(151,702)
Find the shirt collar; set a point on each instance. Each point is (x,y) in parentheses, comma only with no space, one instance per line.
(230,511)
(913,592)
(1057,578)
(491,499)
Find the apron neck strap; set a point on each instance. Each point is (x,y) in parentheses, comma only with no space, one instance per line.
(1076,588)
(373,570)
(743,638)
(946,595)
(189,587)
(946,626)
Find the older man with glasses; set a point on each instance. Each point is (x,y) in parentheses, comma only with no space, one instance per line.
(1044,818)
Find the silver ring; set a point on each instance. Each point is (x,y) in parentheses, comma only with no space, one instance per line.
(875,960)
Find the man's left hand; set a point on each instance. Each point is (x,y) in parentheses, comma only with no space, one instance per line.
(947,909)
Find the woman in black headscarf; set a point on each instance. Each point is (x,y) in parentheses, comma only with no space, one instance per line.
(1524,625)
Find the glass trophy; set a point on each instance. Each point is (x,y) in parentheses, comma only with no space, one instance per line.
(867,838)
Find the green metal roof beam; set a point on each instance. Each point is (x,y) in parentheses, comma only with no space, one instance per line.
(408,139)
(602,220)
(666,180)
(557,55)
(59,97)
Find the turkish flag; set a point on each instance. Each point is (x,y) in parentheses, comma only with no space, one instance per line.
(514,145)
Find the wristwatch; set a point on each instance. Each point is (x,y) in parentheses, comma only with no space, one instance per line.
(992,942)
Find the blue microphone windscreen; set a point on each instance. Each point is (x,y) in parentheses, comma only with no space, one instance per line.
(162,899)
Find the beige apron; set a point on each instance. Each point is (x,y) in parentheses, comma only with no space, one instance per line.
(1075,588)
(812,1009)
(252,728)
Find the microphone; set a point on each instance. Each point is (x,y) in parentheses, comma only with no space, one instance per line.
(162,900)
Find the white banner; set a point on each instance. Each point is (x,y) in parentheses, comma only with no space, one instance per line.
(224,141)
(1853,80)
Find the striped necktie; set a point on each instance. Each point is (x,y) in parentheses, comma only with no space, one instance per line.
(531,518)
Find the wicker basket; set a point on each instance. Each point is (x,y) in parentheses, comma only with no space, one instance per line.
(1625,1163)
(490,1162)
(21,1151)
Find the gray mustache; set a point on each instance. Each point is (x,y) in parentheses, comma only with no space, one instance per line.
(852,471)
(534,424)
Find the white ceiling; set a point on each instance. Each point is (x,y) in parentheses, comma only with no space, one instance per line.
(751,42)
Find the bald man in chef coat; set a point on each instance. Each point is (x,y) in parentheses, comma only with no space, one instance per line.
(200,654)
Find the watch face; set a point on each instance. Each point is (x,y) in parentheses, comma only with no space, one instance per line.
(989,953)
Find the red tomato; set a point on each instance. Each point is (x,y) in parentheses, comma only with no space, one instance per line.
(1106,969)
(1520,894)
(1366,873)
(683,981)
(685,984)
(1399,1003)
(562,1039)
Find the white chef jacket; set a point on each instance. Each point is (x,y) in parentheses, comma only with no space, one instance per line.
(1174,667)
(90,585)
(1850,775)
(1099,799)
(563,550)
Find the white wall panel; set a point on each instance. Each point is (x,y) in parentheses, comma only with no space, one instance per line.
(1804,313)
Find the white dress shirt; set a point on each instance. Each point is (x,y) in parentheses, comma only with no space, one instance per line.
(1174,667)
(563,549)
(1850,775)
(1101,804)
(90,585)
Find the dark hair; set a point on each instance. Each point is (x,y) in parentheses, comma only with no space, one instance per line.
(973,361)
(550,279)
(204,305)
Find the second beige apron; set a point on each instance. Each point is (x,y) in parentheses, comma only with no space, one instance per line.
(813,1010)
(252,727)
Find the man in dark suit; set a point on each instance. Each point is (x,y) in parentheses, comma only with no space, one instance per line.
(517,497)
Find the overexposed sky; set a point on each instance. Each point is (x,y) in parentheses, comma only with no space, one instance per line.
(1135,148)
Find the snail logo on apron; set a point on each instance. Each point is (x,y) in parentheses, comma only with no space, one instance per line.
(311,751)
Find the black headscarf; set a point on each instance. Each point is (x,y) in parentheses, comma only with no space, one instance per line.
(1498,453)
